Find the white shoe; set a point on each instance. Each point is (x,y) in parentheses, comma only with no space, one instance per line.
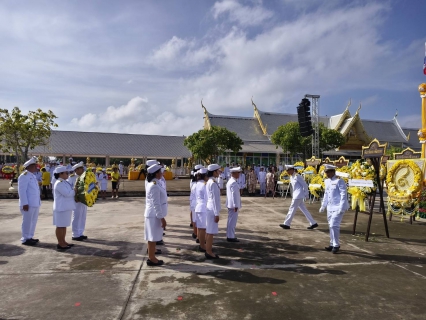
(112,197)
(116,197)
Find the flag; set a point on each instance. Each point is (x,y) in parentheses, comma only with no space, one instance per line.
(424,62)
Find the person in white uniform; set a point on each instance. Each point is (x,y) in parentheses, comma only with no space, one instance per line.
(227,172)
(192,204)
(336,202)
(155,214)
(300,192)
(121,168)
(63,205)
(242,182)
(103,180)
(148,164)
(261,177)
(80,212)
(220,180)
(213,209)
(29,202)
(69,165)
(200,207)
(233,203)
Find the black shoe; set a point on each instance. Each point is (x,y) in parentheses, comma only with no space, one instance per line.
(335,250)
(232,240)
(197,241)
(329,248)
(313,226)
(29,242)
(201,249)
(77,238)
(194,236)
(35,240)
(160,243)
(83,237)
(152,264)
(284,226)
(62,248)
(211,257)
(190,225)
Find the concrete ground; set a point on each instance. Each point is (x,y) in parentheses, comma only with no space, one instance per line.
(271,274)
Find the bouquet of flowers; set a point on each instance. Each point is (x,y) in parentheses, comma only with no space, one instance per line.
(317,180)
(363,171)
(87,190)
(285,177)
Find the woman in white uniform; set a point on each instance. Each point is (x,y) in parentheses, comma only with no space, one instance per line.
(103,181)
(155,213)
(63,205)
(200,208)
(192,204)
(213,209)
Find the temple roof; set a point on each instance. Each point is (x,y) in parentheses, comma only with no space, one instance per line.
(97,144)
(385,131)
(247,128)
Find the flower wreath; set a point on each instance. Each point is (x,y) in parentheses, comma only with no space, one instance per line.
(87,190)
(316,179)
(285,177)
(403,198)
(383,172)
(7,169)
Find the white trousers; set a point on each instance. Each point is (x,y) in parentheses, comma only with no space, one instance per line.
(334,219)
(79,220)
(298,203)
(232,223)
(262,187)
(29,222)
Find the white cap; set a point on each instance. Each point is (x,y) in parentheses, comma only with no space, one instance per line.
(154,168)
(103,169)
(236,169)
(202,171)
(198,166)
(192,173)
(151,162)
(33,160)
(288,166)
(213,167)
(78,165)
(329,167)
(60,169)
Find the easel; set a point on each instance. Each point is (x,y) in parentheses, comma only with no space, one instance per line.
(374,152)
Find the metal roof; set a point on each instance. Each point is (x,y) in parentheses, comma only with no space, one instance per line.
(413,141)
(384,131)
(115,145)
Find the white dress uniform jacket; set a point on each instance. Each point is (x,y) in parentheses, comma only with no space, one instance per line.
(300,188)
(335,195)
(72,179)
(242,180)
(64,196)
(213,197)
(193,202)
(156,201)
(28,190)
(200,196)
(233,198)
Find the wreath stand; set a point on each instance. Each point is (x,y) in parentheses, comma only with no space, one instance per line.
(374,152)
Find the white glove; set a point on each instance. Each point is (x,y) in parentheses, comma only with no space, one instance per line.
(322,209)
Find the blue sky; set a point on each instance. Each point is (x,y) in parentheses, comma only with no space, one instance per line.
(144,66)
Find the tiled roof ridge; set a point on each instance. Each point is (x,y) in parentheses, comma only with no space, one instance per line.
(121,133)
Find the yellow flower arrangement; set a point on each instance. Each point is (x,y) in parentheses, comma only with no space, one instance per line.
(383,172)
(310,168)
(403,193)
(345,169)
(87,190)
(109,170)
(7,169)
(363,171)
(316,180)
(299,164)
(285,177)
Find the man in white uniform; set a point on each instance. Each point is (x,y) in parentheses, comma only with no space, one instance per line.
(300,192)
(336,202)
(261,177)
(233,203)
(29,201)
(121,168)
(69,165)
(227,172)
(80,212)
(242,182)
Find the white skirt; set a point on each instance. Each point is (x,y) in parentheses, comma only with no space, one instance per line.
(194,215)
(153,229)
(62,219)
(201,220)
(212,226)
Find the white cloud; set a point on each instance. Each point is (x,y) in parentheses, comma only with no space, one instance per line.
(136,116)
(244,15)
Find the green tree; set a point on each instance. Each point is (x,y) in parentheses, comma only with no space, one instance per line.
(288,137)
(207,145)
(392,149)
(20,132)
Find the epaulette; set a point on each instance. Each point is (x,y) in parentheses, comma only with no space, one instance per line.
(24,173)
(154,182)
(72,175)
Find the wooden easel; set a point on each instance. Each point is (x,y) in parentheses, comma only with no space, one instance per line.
(374,152)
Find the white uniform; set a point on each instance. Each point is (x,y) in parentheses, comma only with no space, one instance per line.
(155,210)
(200,207)
(103,181)
(72,179)
(120,169)
(79,218)
(336,202)
(193,202)
(29,194)
(63,203)
(242,180)
(300,191)
(227,172)
(220,179)
(262,181)
(233,200)
(213,206)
